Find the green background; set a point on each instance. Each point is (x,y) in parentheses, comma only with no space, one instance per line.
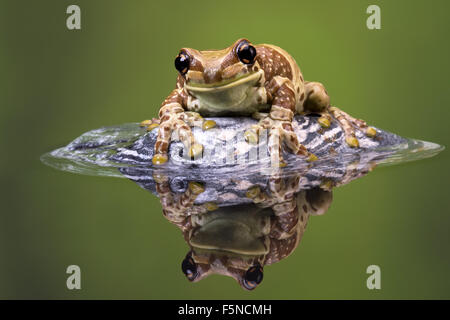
(57,84)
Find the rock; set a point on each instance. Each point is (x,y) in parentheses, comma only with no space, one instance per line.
(224,146)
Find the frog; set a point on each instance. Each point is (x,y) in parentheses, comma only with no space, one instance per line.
(239,240)
(262,81)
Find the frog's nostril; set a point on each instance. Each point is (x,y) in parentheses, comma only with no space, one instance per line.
(212,76)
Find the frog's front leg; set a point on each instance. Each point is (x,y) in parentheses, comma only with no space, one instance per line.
(349,124)
(178,208)
(318,101)
(293,214)
(280,197)
(174,119)
(280,93)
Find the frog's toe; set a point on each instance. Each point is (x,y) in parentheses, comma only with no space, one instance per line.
(253,192)
(352,141)
(152,126)
(291,140)
(208,124)
(160,178)
(211,206)
(145,123)
(251,136)
(281,163)
(159,159)
(196,187)
(311,157)
(149,124)
(324,122)
(195,151)
(371,132)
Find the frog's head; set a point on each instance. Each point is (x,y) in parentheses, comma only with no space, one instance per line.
(219,75)
(217,68)
(226,246)
(246,270)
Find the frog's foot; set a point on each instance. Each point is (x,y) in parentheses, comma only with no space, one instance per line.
(177,208)
(179,123)
(349,125)
(280,198)
(279,132)
(150,124)
(194,119)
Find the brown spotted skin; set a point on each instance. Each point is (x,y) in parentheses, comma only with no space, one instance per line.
(273,62)
(218,83)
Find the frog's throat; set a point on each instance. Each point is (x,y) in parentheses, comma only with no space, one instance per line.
(223,85)
(231,236)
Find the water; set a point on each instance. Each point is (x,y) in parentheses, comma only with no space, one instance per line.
(236,217)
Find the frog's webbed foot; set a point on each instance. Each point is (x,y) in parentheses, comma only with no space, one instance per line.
(349,124)
(177,123)
(318,101)
(279,132)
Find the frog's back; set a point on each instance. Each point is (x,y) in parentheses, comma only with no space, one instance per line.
(276,61)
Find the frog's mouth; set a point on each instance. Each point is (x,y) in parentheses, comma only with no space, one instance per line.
(223,85)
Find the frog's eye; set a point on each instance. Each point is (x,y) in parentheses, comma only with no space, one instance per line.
(189,268)
(246,52)
(253,277)
(182,63)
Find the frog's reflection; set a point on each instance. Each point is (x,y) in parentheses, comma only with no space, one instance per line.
(239,240)
(235,224)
